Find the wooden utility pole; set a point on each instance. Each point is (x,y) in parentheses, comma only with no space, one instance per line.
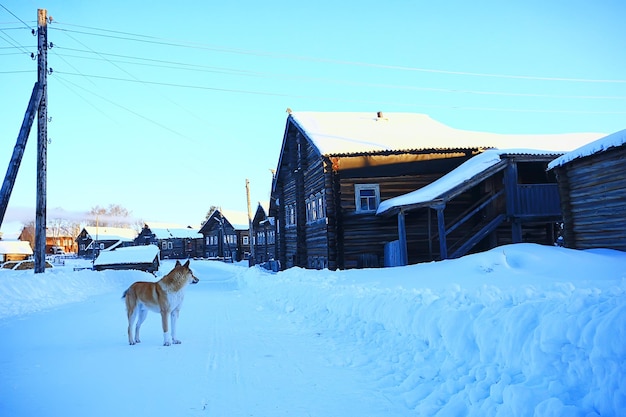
(18,151)
(42,142)
(252,260)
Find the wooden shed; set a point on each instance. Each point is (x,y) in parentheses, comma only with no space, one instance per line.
(592,184)
(14,250)
(142,258)
(334,170)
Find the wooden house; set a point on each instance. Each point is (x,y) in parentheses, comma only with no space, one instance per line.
(174,242)
(93,239)
(264,237)
(142,258)
(497,197)
(334,170)
(226,236)
(14,250)
(592,184)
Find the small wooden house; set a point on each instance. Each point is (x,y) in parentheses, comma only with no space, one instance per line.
(226,236)
(93,239)
(497,197)
(592,184)
(142,258)
(335,169)
(14,250)
(174,242)
(264,237)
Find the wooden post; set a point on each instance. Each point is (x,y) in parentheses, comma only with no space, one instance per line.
(404,255)
(252,259)
(42,143)
(18,151)
(443,246)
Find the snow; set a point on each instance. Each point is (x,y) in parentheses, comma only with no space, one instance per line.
(128,255)
(601,145)
(335,133)
(181,233)
(111,233)
(464,172)
(521,330)
(15,247)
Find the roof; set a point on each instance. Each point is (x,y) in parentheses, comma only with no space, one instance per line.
(182,233)
(340,133)
(128,255)
(15,247)
(601,145)
(471,168)
(111,233)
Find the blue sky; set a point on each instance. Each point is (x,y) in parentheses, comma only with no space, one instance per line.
(165,108)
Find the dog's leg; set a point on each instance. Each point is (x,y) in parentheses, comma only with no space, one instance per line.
(143,313)
(166,332)
(173,319)
(131,311)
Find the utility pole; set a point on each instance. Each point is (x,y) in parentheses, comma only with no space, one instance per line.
(42,142)
(252,261)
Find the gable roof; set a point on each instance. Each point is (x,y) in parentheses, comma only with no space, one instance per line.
(179,233)
(345,133)
(457,180)
(111,233)
(601,145)
(15,247)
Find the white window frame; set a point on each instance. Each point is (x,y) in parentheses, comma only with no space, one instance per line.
(358,188)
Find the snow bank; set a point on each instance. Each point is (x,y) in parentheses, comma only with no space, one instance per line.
(519,331)
(24,292)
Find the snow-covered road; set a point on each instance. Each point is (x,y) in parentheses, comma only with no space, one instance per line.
(236,359)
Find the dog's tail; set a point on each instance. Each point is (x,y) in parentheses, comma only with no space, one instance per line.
(124,295)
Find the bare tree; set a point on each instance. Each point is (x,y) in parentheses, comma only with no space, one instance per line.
(208,214)
(114,216)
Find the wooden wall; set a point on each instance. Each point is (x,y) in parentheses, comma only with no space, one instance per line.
(593,200)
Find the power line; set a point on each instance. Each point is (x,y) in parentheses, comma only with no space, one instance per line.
(262,93)
(184,44)
(13,14)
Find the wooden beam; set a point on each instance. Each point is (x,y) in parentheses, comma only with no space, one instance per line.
(18,151)
(402,238)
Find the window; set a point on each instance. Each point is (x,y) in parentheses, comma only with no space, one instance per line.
(245,240)
(315,208)
(367,197)
(164,245)
(290,213)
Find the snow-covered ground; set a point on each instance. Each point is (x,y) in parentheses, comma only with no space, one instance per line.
(521,330)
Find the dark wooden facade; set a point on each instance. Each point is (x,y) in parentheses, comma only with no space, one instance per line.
(319,224)
(91,240)
(514,200)
(174,243)
(593,196)
(223,240)
(264,238)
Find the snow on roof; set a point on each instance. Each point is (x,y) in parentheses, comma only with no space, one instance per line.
(603,144)
(238,219)
(15,247)
(111,233)
(180,233)
(349,133)
(128,255)
(464,172)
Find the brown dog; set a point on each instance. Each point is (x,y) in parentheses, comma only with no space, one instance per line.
(164,296)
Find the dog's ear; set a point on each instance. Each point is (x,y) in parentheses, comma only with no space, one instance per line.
(177,264)
(186,264)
